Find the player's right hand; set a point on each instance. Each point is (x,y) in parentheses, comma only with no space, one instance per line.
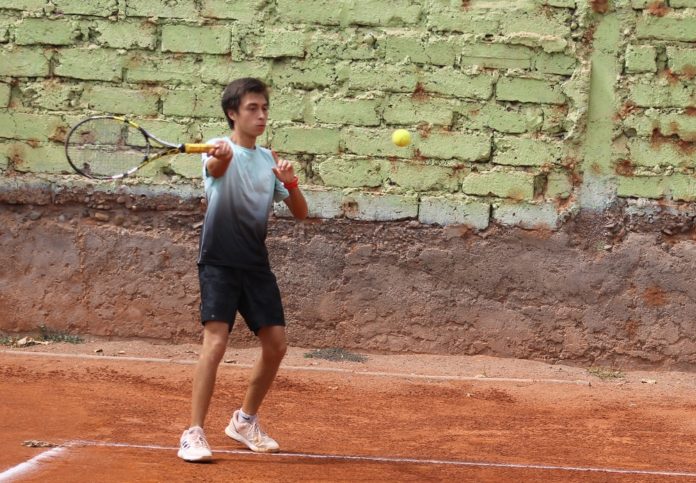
(221,151)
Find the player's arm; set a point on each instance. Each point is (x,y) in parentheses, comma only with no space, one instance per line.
(219,159)
(286,174)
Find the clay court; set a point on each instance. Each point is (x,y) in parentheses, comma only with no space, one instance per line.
(114,410)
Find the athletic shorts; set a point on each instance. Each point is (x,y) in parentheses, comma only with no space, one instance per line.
(253,293)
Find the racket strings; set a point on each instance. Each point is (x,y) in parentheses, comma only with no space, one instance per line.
(106,147)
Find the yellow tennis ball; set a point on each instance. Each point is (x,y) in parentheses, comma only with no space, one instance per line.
(401,137)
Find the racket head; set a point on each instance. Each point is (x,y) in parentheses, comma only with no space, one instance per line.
(107,147)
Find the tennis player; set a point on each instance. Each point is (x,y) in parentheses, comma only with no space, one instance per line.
(242,181)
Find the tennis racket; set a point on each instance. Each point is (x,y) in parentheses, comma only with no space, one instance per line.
(113,147)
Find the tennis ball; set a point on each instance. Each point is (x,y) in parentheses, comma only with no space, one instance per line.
(401,137)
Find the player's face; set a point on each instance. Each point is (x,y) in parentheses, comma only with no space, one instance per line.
(252,116)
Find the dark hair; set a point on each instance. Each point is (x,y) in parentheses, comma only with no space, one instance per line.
(235,91)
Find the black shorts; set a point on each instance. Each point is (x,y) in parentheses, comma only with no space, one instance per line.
(253,293)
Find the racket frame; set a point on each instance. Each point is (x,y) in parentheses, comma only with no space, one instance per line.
(168,148)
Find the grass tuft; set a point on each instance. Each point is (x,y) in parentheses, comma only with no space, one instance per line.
(335,354)
(54,335)
(605,373)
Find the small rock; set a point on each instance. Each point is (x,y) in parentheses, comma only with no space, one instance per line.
(34,215)
(121,352)
(648,381)
(99,351)
(230,361)
(101,216)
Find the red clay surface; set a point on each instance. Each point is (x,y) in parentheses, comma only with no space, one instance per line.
(641,421)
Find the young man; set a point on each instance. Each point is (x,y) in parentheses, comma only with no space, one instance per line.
(242,180)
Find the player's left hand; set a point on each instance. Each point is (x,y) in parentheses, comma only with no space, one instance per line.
(283,169)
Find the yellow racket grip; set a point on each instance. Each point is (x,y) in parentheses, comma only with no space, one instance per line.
(196,148)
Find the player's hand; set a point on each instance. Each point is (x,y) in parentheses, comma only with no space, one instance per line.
(221,151)
(283,169)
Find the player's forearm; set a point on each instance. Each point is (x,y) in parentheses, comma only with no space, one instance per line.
(297,204)
(217,167)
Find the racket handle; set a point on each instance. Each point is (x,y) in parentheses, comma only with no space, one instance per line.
(196,148)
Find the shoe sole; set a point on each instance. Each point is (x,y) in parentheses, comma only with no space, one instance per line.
(201,459)
(238,437)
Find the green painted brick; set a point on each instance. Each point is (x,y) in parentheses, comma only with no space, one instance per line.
(454,210)
(187,166)
(32,31)
(5,93)
(640,187)
(660,95)
(681,187)
(373,142)
(641,4)
(127,35)
(667,124)
(682,60)
(405,110)
(556,119)
(682,3)
(388,78)
(455,19)
(100,8)
(90,64)
(4,162)
(644,153)
(46,158)
(204,39)
(345,45)
(641,58)
(306,140)
(673,26)
(244,10)
(527,215)
(52,95)
(381,12)
(199,103)
(279,43)
(380,207)
(162,8)
(28,5)
(529,90)
(452,82)
(218,69)
(24,62)
(526,152)
(358,112)
(169,130)
(531,21)
(119,100)
(558,185)
(304,76)
(500,56)
(422,177)
(288,105)
(216,129)
(560,64)
(514,118)
(29,126)
(455,145)
(560,3)
(322,12)
(432,52)
(155,67)
(514,185)
(352,172)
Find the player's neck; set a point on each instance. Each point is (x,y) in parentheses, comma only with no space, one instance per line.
(244,140)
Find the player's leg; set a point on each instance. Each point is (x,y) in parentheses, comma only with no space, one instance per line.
(262,309)
(193,445)
(215,336)
(220,289)
(273,348)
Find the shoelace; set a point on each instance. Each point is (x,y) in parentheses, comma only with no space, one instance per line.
(199,441)
(256,432)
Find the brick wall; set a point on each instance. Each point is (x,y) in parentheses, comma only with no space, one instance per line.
(522,112)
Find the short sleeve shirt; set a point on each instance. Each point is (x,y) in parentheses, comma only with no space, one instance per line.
(239,204)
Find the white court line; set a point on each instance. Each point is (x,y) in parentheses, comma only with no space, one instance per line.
(389,459)
(32,464)
(402,375)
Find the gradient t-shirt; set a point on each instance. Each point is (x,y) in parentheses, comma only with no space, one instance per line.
(239,204)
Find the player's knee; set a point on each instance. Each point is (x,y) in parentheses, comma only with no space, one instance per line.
(214,349)
(275,350)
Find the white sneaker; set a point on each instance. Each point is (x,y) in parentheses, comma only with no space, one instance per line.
(193,446)
(251,434)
